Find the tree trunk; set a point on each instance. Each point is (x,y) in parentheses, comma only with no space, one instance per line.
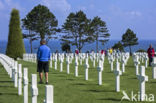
(79,49)
(96,46)
(31,45)
(30,42)
(130,50)
(42,36)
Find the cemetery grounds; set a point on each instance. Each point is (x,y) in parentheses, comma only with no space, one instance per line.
(71,89)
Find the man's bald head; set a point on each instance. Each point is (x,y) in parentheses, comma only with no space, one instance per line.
(42,42)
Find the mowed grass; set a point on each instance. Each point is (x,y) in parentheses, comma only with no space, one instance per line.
(71,89)
(8,94)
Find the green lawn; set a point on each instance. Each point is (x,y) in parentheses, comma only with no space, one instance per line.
(71,89)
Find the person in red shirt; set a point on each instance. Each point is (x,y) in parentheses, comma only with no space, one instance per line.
(102,51)
(150,52)
(77,51)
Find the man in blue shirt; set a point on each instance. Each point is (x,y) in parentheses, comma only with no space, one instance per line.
(43,57)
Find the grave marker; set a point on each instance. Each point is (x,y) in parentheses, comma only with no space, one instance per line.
(20,79)
(25,81)
(154,68)
(34,88)
(117,73)
(142,79)
(76,66)
(49,92)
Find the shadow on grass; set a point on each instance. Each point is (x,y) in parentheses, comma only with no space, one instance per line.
(129,66)
(71,79)
(6,81)
(111,99)
(152,82)
(53,73)
(97,91)
(4,74)
(61,75)
(79,84)
(125,74)
(7,86)
(8,94)
(132,78)
(110,72)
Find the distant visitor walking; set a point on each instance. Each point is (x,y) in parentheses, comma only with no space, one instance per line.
(110,50)
(76,51)
(150,52)
(43,57)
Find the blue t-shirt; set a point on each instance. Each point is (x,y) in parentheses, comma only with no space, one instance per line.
(43,53)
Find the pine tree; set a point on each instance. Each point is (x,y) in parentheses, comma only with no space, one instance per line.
(40,21)
(129,39)
(118,46)
(75,29)
(15,46)
(99,31)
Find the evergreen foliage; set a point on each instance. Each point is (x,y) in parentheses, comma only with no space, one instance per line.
(118,46)
(76,30)
(99,32)
(40,23)
(15,46)
(65,47)
(129,39)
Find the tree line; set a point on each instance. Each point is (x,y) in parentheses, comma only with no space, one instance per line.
(77,30)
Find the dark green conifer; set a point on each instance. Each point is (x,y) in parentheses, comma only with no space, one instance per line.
(15,46)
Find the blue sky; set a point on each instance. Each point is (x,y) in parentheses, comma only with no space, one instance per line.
(138,15)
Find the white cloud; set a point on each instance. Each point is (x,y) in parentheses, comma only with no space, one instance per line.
(1,5)
(8,2)
(134,13)
(7,5)
(57,5)
(92,6)
(119,12)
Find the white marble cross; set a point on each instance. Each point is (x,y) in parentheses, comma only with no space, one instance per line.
(76,65)
(102,61)
(20,79)
(25,81)
(67,61)
(99,68)
(137,65)
(49,94)
(11,68)
(16,74)
(154,68)
(34,88)
(55,61)
(111,62)
(146,60)
(61,63)
(117,73)
(142,79)
(86,69)
(123,64)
